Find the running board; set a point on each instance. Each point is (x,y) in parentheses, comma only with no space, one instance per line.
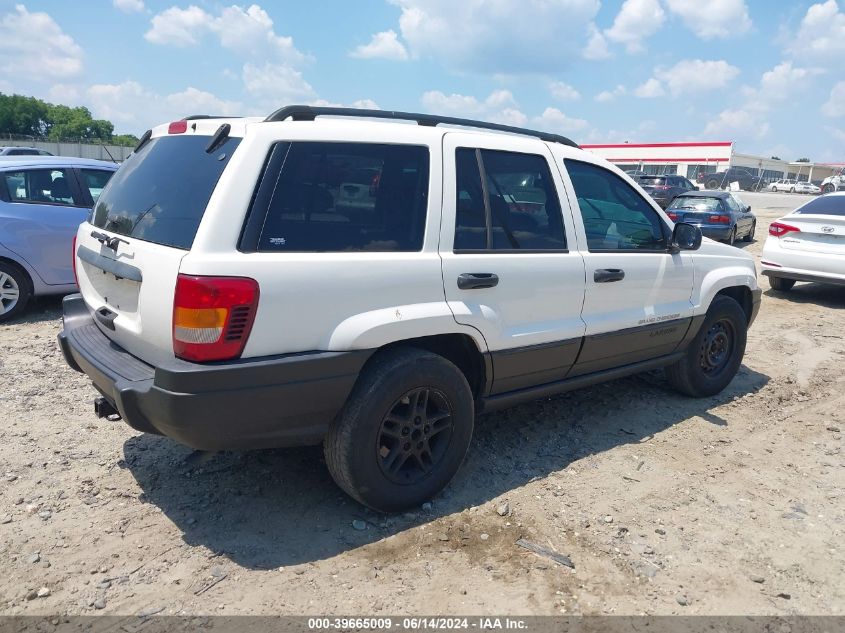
(513,398)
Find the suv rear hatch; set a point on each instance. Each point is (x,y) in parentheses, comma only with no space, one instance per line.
(129,252)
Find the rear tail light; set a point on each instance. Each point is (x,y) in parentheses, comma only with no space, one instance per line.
(779,229)
(213,316)
(672,215)
(720,219)
(73,259)
(177,127)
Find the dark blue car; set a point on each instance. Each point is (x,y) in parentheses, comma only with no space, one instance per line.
(717,213)
(43,200)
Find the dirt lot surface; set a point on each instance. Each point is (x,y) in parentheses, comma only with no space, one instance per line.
(728,505)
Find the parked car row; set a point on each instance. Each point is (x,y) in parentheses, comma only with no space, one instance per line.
(794,186)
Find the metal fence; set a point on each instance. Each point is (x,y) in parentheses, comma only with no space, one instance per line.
(71,147)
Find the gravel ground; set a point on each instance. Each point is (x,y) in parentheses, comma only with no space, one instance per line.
(727,505)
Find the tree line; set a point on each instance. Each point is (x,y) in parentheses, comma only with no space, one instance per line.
(43,121)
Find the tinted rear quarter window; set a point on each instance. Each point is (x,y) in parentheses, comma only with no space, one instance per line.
(160,193)
(825,205)
(347,197)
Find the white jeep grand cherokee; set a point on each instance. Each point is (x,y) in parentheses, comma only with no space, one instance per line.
(372,286)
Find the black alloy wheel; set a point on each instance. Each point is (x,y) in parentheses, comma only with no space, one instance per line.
(414,435)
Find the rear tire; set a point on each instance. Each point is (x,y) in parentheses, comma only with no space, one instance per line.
(828,189)
(15,291)
(751,232)
(404,431)
(711,184)
(732,239)
(715,354)
(780,284)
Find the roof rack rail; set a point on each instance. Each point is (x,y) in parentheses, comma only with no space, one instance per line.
(195,117)
(309,113)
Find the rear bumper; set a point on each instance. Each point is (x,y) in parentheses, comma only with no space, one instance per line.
(716,232)
(786,273)
(285,400)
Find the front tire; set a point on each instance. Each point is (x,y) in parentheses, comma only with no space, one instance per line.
(828,189)
(15,291)
(403,432)
(715,354)
(780,284)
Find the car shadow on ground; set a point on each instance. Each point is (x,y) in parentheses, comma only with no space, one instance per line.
(39,310)
(266,509)
(824,295)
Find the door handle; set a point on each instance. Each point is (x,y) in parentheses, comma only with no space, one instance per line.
(474,281)
(606,275)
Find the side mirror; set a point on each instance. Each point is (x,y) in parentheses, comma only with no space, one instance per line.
(685,237)
(748,209)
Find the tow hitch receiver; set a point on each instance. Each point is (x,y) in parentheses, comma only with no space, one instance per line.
(104,409)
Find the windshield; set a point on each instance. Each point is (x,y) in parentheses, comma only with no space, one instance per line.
(160,193)
(824,205)
(695,202)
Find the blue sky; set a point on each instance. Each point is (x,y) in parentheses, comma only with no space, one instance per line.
(766,74)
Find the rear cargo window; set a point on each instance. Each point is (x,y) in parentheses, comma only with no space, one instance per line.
(825,205)
(341,197)
(160,193)
(651,180)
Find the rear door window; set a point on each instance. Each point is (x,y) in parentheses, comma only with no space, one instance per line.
(347,197)
(524,210)
(95,181)
(160,192)
(41,186)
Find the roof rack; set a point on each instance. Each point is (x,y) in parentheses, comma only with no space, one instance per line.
(309,113)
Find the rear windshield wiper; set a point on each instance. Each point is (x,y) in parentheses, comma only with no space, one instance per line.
(219,138)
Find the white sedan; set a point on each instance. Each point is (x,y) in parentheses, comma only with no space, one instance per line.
(806,187)
(808,244)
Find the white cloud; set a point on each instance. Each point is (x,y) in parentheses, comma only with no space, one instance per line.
(596,45)
(366,104)
(750,120)
(609,95)
(129,6)
(499,106)
(248,32)
(194,101)
(384,45)
(835,106)
(277,82)
(32,45)
(782,81)
(651,89)
(821,36)
(636,21)
(554,120)
(697,75)
(738,123)
(178,27)
(133,107)
(563,91)
(714,19)
(497,36)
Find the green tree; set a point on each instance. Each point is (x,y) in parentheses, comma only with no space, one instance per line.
(776,158)
(803,160)
(28,116)
(22,115)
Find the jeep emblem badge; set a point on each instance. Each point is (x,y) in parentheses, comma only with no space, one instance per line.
(827,229)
